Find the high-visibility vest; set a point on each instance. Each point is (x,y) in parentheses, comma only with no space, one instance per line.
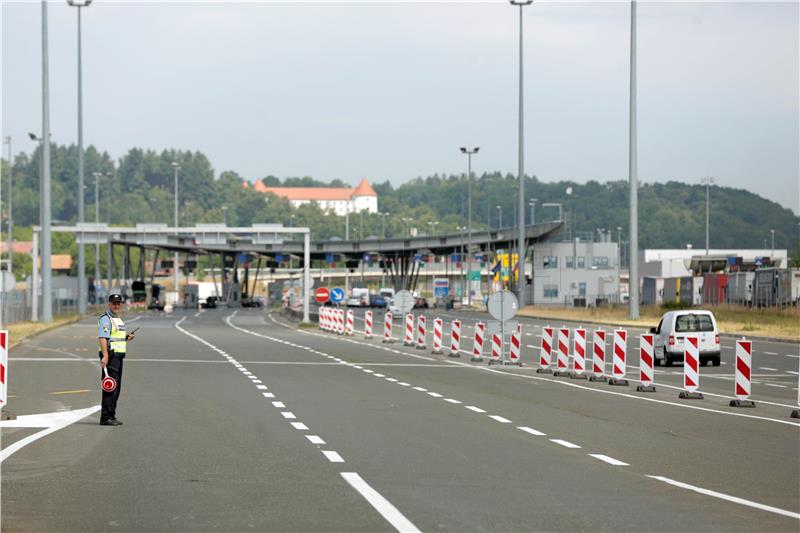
(117,343)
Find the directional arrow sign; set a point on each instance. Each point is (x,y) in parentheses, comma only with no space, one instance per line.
(337,295)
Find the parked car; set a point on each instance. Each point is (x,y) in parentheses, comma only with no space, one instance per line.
(210,303)
(675,326)
(377,300)
(354,301)
(155,304)
(420,302)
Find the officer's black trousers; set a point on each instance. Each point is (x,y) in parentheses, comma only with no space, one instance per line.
(108,410)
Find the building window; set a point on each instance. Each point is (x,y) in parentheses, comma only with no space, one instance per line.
(550,261)
(581,261)
(600,262)
(550,291)
(568,262)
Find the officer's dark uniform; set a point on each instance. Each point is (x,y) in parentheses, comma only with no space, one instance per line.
(112,328)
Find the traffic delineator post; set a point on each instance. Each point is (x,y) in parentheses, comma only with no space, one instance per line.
(646,350)
(477,343)
(545,351)
(691,369)
(563,352)
(497,349)
(598,356)
(340,321)
(618,363)
(578,354)
(368,324)
(455,338)
(796,412)
(350,324)
(437,335)
(422,323)
(742,385)
(515,349)
(408,337)
(3,368)
(387,327)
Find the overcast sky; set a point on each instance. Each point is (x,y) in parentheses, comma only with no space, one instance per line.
(391,90)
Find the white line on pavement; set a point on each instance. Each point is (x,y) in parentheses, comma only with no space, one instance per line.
(476,409)
(279,404)
(565,443)
(60,424)
(728,497)
(300,426)
(500,419)
(531,431)
(288,415)
(333,456)
(607,459)
(381,504)
(315,439)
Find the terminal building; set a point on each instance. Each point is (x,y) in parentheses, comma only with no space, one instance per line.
(339,200)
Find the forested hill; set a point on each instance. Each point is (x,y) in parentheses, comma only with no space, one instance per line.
(139,188)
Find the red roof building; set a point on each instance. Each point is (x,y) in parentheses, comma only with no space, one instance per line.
(337,199)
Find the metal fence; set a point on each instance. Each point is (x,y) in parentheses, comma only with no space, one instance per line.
(17,305)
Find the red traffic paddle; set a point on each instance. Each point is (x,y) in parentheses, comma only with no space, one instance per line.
(109,384)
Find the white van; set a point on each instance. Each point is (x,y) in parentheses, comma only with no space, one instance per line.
(675,326)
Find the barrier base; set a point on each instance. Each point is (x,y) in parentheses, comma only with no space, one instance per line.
(420,346)
(598,378)
(405,343)
(513,363)
(476,359)
(796,413)
(686,395)
(544,371)
(367,336)
(577,375)
(387,341)
(646,388)
(454,354)
(618,382)
(742,403)
(7,416)
(493,362)
(436,351)
(561,373)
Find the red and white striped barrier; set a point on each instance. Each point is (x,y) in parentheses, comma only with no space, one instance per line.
(422,324)
(579,354)
(350,324)
(497,348)
(339,316)
(598,356)
(515,349)
(477,343)
(3,368)
(545,350)
(387,327)
(618,362)
(563,352)
(437,335)
(646,350)
(744,363)
(408,338)
(368,324)
(455,338)
(691,368)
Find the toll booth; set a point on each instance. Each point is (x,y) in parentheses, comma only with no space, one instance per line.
(191,296)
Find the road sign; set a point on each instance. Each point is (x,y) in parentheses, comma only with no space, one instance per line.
(337,294)
(503,305)
(322,295)
(404,301)
(474,275)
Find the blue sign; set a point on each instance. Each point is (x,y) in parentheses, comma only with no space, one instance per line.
(329,258)
(278,258)
(337,294)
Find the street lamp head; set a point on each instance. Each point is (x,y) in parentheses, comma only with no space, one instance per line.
(463,150)
(176,165)
(476,149)
(33,136)
(79,3)
(521,2)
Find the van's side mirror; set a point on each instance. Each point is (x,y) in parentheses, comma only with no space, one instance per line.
(653,330)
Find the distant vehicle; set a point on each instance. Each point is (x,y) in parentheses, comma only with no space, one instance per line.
(420,303)
(139,291)
(253,302)
(353,301)
(359,297)
(156,303)
(210,303)
(386,292)
(377,300)
(675,326)
(392,307)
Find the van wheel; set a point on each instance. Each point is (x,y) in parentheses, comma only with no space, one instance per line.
(667,360)
(715,361)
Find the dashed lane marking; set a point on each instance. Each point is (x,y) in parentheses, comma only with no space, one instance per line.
(607,459)
(565,443)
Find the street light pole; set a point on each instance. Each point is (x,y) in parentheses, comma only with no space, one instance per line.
(44,193)
(772,231)
(97,176)
(10,224)
(176,167)
(81,248)
(532,204)
(707,182)
(633,257)
(521,172)
(469,152)
(500,217)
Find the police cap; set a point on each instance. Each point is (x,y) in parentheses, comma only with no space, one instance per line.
(115,298)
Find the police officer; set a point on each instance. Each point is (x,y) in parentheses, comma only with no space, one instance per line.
(113,340)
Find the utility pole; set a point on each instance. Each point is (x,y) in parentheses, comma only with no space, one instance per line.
(44,194)
(633,258)
(469,152)
(707,182)
(176,167)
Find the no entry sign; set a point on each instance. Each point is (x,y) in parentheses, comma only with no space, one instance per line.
(322,295)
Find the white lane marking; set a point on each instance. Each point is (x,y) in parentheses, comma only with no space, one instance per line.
(791,372)
(435,394)
(388,511)
(564,443)
(368,371)
(393,380)
(333,456)
(775,385)
(300,426)
(268,395)
(420,389)
(795,356)
(531,431)
(767,368)
(288,415)
(451,400)
(279,404)
(473,408)
(257,381)
(358,367)
(261,387)
(404,384)
(60,423)
(727,497)
(770,353)
(315,439)
(607,459)
(500,419)
(379,375)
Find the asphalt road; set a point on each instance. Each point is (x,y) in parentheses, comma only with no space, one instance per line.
(237,421)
